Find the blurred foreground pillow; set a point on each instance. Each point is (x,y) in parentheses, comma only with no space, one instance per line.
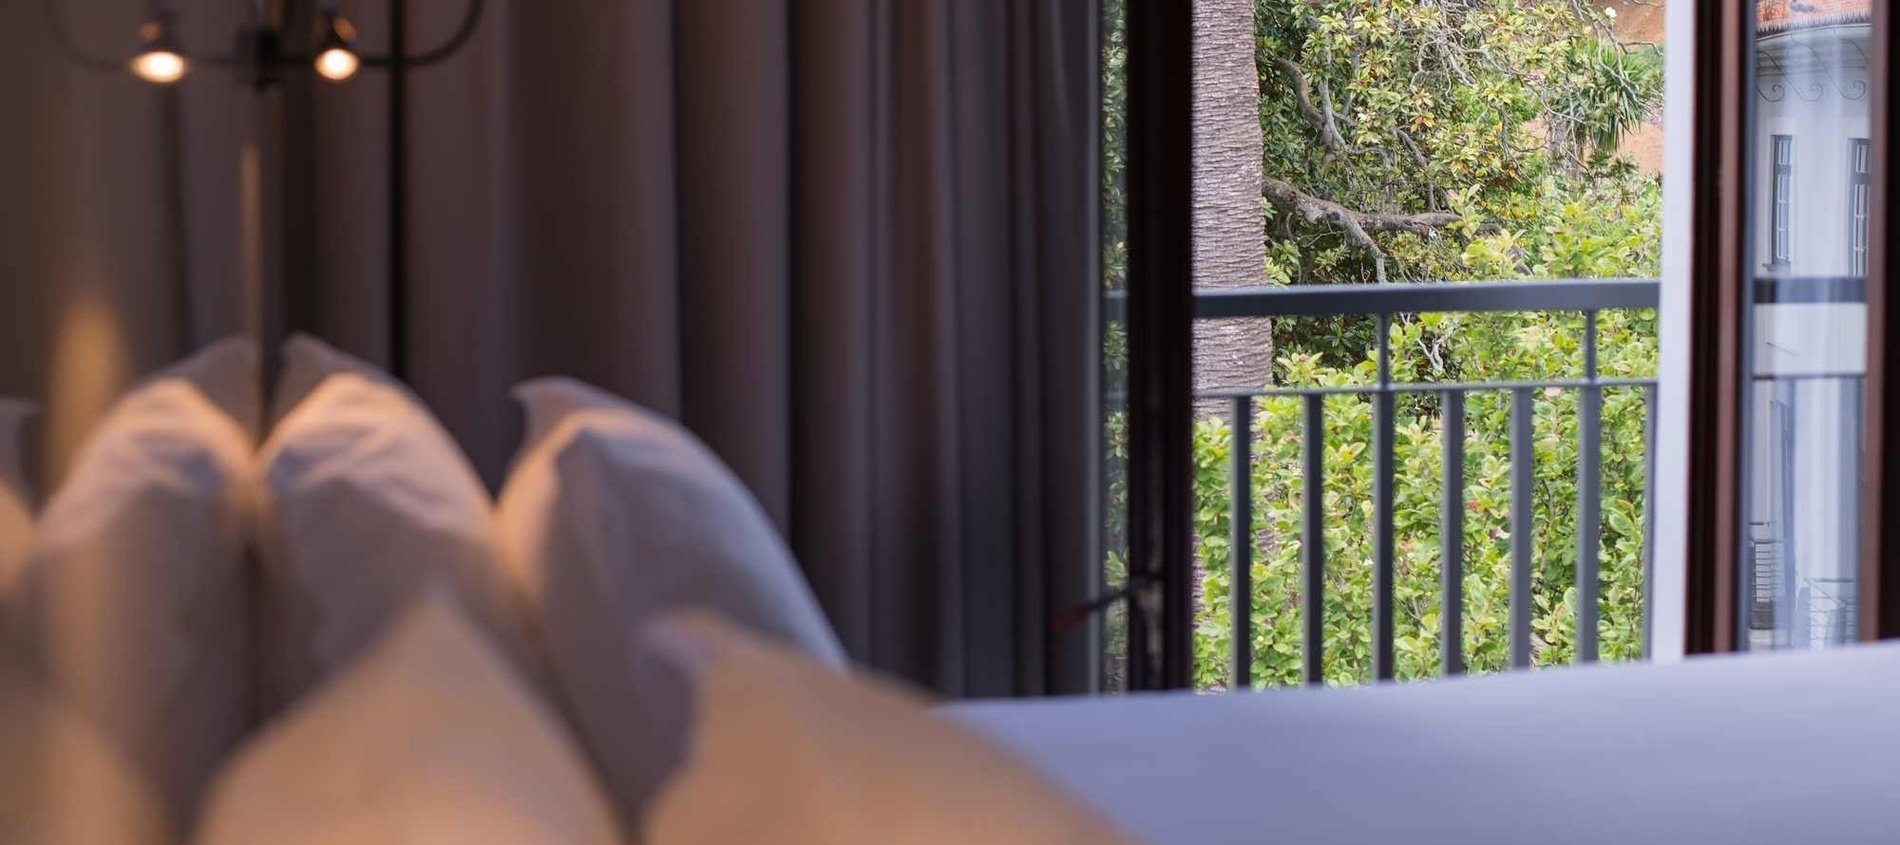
(62,782)
(16,496)
(612,516)
(131,602)
(430,737)
(365,503)
(790,752)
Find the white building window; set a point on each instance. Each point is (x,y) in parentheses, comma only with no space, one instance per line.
(1781,240)
(1857,199)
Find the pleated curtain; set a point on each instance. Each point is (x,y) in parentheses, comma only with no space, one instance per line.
(850,243)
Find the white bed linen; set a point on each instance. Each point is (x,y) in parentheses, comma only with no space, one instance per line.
(1759,749)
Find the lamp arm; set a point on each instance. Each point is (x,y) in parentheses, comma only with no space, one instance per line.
(463,32)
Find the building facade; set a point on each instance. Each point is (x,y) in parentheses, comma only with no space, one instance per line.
(1810,201)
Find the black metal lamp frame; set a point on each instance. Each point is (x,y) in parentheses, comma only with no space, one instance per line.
(279,43)
(261,51)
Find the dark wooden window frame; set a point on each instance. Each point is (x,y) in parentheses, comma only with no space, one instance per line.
(1718,314)
(1160,343)
(1720,302)
(1880,549)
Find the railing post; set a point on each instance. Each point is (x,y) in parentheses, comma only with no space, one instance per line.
(1589,495)
(1451,539)
(1240,540)
(1522,450)
(1649,522)
(1313,540)
(1383,502)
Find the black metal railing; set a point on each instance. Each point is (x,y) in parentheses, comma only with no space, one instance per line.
(1385,303)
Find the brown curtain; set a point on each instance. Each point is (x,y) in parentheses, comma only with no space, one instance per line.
(118,247)
(851,243)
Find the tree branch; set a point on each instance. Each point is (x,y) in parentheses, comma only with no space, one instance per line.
(1324,125)
(1432,190)
(1411,145)
(1358,225)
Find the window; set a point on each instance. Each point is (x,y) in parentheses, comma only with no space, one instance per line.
(1807,334)
(1415,432)
(1858,195)
(1782,201)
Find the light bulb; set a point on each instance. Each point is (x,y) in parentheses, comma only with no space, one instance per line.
(159,62)
(162,67)
(336,61)
(337,64)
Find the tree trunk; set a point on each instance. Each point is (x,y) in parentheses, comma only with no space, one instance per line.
(1229,224)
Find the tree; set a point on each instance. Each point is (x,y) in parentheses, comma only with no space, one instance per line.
(1229,231)
(1432,140)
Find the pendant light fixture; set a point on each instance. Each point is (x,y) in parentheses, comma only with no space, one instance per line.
(159,60)
(336,54)
(268,51)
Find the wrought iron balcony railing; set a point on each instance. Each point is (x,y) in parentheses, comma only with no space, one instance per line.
(1385,304)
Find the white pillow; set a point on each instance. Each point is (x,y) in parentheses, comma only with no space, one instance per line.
(365,501)
(307,362)
(427,738)
(611,516)
(790,752)
(230,374)
(16,495)
(61,782)
(131,603)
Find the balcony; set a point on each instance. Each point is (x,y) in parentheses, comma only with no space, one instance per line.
(1352,511)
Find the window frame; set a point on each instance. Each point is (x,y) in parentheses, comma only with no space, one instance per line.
(1781,204)
(1160,468)
(1880,503)
(1720,304)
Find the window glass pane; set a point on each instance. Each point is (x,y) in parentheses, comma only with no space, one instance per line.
(1807,326)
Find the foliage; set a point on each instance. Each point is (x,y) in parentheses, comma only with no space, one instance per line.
(1498,119)
(1491,348)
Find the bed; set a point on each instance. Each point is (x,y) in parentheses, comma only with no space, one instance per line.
(1769,749)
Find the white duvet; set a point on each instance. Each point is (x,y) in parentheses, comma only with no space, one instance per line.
(1726,751)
